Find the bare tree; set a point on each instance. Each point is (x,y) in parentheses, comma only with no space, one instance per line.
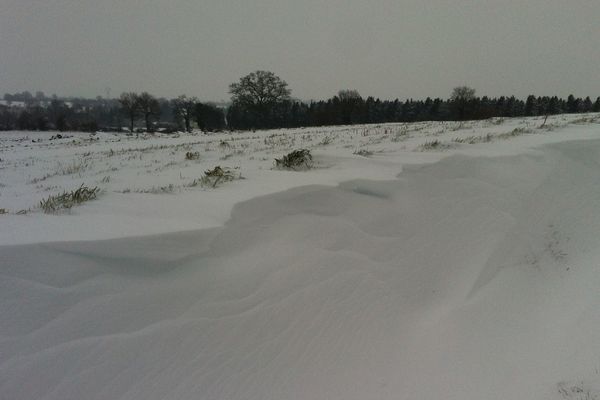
(349,95)
(461,97)
(130,106)
(259,91)
(184,109)
(149,107)
(350,105)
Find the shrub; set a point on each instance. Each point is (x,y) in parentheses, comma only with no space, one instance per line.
(213,177)
(434,145)
(326,140)
(520,131)
(66,200)
(363,152)
(297,159)
(192,155)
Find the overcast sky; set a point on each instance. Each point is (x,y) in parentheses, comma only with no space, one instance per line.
(386,48)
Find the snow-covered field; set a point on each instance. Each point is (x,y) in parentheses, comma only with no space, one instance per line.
(148,185)
(433,260)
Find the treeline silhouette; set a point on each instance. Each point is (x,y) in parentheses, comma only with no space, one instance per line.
(23,111)
(341,111)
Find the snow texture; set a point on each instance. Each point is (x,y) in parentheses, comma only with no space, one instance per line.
(473,274)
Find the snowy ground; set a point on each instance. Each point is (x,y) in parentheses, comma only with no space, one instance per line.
(473,274)
(146,181)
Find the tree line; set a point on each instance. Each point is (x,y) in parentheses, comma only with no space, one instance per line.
(131,111)
(262,100)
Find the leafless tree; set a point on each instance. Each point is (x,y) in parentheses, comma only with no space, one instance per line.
(461,97)
(184,109)
(349,95)
(149,107)
(130,106)
(259,91)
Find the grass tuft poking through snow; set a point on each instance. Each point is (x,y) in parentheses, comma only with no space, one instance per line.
(67,200)
(474,139)
(363,152)
(434,145)
(213,177)
(296,160)
(191,156)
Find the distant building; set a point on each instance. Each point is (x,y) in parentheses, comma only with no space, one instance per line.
(15,104)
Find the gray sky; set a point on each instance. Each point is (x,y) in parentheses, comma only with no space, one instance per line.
(383,48)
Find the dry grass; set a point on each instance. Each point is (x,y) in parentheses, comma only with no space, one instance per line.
(67,200)
(327,140)
(191,156)
(474,139)
(433,145)
(216,176)
(75,167)
(297,159)
(363,152)
(170,188)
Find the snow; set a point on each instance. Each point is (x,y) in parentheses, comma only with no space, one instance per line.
(134,172)
(463,271)
(16,104)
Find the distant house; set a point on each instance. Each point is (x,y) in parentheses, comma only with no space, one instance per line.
(13,106)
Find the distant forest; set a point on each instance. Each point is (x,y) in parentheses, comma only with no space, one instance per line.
(261,100)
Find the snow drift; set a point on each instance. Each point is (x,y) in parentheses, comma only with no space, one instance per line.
(470,278)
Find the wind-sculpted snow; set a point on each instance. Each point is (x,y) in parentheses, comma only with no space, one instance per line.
(470,278)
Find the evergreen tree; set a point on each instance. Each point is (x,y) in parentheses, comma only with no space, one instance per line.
(587,105)
(596,107)
(531,106)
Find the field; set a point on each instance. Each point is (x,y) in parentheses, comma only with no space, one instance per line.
(147,184)
(434,260)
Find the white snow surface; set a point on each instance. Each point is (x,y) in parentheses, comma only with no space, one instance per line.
(464,270)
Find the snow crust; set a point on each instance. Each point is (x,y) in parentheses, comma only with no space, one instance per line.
(473,274)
